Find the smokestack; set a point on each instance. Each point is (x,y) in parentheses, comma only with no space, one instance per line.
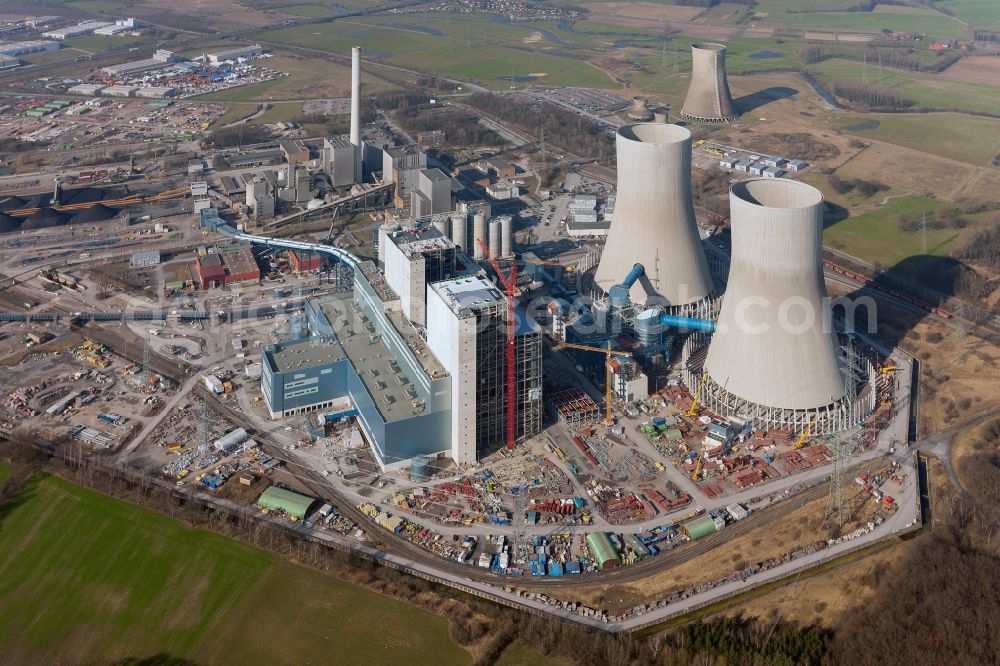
(771,346)
(356,110)
(708,97)
(654,222)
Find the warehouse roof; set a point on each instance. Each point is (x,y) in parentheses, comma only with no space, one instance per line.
(292,503)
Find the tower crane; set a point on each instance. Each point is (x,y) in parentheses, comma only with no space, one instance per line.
(510,286)
(608,353)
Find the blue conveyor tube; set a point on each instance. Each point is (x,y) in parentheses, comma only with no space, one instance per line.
(687,323)
(633,275)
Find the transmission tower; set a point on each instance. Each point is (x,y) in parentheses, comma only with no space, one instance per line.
(838,506)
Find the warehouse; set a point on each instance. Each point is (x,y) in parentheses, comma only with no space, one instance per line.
(699,528)
(145,258)
(211,272)
(278,499)
(240,266)
(603,550)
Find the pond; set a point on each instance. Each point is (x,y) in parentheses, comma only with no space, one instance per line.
(864,126)
(766,55)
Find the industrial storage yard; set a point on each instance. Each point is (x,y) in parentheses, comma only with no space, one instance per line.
(613,380)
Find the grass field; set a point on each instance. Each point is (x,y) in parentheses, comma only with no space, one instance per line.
(981,13)
(519,653)
(51,56)
(467,46)
(959,137)
(772,6)
(101,43)
(919,21)
(926,90)
(873,235)
(308,10)
(88,579)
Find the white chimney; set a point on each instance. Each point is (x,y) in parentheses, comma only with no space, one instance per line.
(356,110)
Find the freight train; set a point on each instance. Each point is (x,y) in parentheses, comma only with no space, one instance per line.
(878,286)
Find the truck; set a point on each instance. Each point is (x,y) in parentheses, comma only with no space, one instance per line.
(213,384)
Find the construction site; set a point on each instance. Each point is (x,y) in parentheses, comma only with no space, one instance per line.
(439,391)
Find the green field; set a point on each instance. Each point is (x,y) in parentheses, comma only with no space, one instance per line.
(307,10)
(101,43)
(981,13)
(927,22)
(873,235)
(519,653)
(772,6)
(959,137)
(466,46)
(88,579)
(928,91)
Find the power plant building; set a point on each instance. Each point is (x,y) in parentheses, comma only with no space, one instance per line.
(413,259)
(466,329)
(708,98)
(402,165)
(432,194)
(360,347)
(338,160)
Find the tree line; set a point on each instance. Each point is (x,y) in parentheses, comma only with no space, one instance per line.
(870,96)
(563,128)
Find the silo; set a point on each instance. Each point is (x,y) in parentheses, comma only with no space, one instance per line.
(420,468)
(506,236)
(708,98)
(298,327)
(459,229)
(478,233)
(648,332)
(654,222)
(495,229)
(774,345)
(441,224)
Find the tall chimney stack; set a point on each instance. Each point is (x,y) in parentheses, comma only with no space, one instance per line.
(356,110)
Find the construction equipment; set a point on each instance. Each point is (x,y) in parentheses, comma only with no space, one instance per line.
(333,221)
(510,285)
(693,410)
(805,433)
(608,353)
(888,369)
(696,474)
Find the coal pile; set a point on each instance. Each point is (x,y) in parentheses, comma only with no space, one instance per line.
(44,219)
(8,223)
(96,213)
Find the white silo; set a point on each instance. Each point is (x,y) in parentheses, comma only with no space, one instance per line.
(773,345)
(495,245)
(441,223)
(654,223)
(459,229)
(506,236)
(478,233)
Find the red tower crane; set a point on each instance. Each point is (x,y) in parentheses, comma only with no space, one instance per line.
(509,283)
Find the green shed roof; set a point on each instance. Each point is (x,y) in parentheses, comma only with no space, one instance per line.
(603,550)
(291,503)
(699,527)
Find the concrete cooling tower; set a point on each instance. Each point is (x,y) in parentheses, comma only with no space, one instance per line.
(708,97)
(654,222)
(773,345)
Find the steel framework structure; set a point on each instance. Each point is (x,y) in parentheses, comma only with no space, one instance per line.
(509,283)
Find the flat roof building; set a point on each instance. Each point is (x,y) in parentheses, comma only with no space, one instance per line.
(233,54)
(466,329)
(240,266)
(338,160)
(414,258)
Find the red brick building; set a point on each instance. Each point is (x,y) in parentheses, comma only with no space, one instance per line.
(240,266)
(211,272)
(306,261)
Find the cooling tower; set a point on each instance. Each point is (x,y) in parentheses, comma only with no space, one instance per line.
(654,221)
(356,111)
(708,97)
(773,345)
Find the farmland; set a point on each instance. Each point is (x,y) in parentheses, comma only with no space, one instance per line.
(909,19)
(91,579)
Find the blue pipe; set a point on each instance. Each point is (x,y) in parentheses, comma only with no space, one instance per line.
(687,323)
(637,272)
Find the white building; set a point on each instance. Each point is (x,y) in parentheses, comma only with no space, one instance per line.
(466,331)
(233,54)
(23,48)
(77,30)
(413,259)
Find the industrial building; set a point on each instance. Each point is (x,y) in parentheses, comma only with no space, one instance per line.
(211,271)
(279,499)
(402,165)
(338,160)
(466,321)
(432,194)
(362,348)
(77,30)
(413,259)
(708,98)
(120,25)
(240,266)
(305,262)
(161,58)
(295,151)
(233,54)
(24,48)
